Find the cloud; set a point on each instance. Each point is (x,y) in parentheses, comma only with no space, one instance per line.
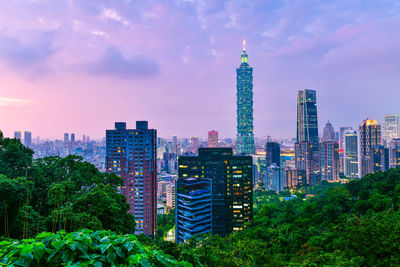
(113,62)
(7,101)
(113,15)
(99,33)
(27,48)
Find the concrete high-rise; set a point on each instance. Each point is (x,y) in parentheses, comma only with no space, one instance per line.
(381,158)
(274,178)
(370,137)
(394,153)
(212,138)
(329,133)
(245,128)
(304,161)
(132,155)
(232,188)
(66,138)
(329,157)
(351,154)
(17,135)
(307,127)
(390,128)
(27,139)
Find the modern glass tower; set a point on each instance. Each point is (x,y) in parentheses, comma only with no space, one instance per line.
(307,126)
(244,86)
(307,120)
(232,187)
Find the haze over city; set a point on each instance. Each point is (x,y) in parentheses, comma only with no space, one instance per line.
(79,66)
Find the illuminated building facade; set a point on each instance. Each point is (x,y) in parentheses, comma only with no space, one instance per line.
(381,158)
(132,155)
(303,160)
(244,86)
(274,177)
(394,153)
(351,154)
(293,178)
(307,126)
(329,161)
(390,128)
(170,195)
(370,136)
(193,214)
(232,187)
(212,138)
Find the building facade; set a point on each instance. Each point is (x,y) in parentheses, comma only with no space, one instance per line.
(370,136)
(170,195)
(212,138)
(28,139)
(303,160)
(328,133)
(274,178)
(381,158)
(351,154)
(193,214)
(132,155)
(293,178)
(307,126)
(390,129)
(272,154)
(394,153)
(329,161)
(232,187)
(245,129)
(17,135)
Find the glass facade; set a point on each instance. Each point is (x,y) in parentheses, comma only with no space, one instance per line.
(307,129)
(193,208)
(244,86)
(232,187)
(351,154)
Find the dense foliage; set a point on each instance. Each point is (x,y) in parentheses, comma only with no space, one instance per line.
(53,193)
(353,224)
(83,248)
(165,222)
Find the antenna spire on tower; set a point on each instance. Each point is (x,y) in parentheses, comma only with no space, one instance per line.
(244,45)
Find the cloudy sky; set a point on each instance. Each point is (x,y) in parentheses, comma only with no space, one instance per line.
(79,65)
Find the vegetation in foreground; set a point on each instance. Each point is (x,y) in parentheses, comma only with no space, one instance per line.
(83,248)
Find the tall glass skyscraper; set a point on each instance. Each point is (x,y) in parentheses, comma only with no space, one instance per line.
(244,86)
(307,130)
(307,120)
(351,154)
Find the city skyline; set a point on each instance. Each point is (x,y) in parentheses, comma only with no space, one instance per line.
(83,65)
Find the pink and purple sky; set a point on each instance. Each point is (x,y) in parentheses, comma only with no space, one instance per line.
(79,65)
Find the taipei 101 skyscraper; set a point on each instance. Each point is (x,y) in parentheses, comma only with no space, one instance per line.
(244,86)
